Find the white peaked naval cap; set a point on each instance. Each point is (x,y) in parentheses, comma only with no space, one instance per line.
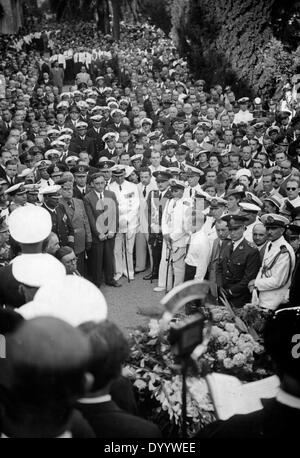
(29,224)
(72,299)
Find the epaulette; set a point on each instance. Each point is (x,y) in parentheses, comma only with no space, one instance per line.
(187,203)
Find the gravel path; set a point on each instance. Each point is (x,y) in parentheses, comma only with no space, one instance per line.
(134,304)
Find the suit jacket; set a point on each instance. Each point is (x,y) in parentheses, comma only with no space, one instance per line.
(212,267)
(236,269)
(109,421)
(10,292)
(77,194)
(275,420)
(103,215)
(79,220)
(99,143)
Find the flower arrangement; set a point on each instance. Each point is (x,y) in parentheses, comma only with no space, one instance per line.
(156,374)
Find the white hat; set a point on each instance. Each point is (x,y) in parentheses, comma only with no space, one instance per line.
(16,188)
(110,134)
(243,172)
(96,108)
(53,131)
(53,189)
(72,299)
(137,157)
(177,183)
(37,269)
(58,143)
(63,137)
(71,158)
(67,130)
(29,224)
(129,170)
(52,151)
(81,124)
(249,207)
(63,103)
(25,173)
(257,100)
(97,118)
(112,104)
(146,121)
(82,104)
(116,110)
(90,101)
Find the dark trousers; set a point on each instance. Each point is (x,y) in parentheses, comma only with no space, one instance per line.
(101,261)
(156,257)
(81,267)
(190,272)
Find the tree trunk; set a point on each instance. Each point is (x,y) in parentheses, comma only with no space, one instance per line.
(11,21)
(116,19)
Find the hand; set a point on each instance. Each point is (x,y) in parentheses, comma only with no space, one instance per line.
(251,285)
(110,235)
(102,237)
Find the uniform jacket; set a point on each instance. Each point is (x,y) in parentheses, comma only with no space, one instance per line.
(213,262)
(77,194)
(236,269)
(103,215)
(99,143)
(129,204)
(78,144)
(156,207)
(61,225)
(177,221)
(78,217)
(143,212)
(274,277)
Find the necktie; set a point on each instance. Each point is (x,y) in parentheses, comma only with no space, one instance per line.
(160,196)
(83,192)
(255,184)
(120,187)
(270,246)
(101,195)
(191,192)
(144,191)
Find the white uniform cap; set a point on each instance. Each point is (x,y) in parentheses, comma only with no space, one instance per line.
(81,124)
(116,110)
(96,108)
(72,299)
(64,137)
(82,104)
(71,158)
(243,172)
(25,173)
(53,131)
(129,170)
(63,103)
(91,101)
(67,130)
(53,189)
(58,143)
(110,134)
(97,117)
(37,269)
(52,151)
(146,121)
(249,207)
(29,224)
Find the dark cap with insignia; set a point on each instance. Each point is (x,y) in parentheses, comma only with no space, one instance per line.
(80,169)
(162,175)
(274,220)
(234,221)
(105,164)
(239,191)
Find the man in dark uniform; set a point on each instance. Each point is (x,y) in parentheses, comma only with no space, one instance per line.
(96,132)
(156,203)
(102,211)
(280,416)
(238,264)
(80,188)
(82,142)
(61,223)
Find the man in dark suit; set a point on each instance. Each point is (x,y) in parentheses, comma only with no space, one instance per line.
(80,188)
(96,132)
(102,211)
(239,263)
(109,350)
(223,237)
(280,416)
(80,141)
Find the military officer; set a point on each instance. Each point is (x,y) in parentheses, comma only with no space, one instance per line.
(176,230)
(251,212)
(61,223)
(156,203)
(274,277)
(238,264)
(80,188)
(128,200)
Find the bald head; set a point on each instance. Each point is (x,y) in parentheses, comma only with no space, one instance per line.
(259,234)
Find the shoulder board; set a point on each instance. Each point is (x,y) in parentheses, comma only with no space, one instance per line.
(251,244)
(186,202)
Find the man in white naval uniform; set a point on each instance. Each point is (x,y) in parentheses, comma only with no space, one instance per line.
(176,229)
(128,200)
(274,277)
(251,212)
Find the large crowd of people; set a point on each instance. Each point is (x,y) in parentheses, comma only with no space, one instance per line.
(115,159)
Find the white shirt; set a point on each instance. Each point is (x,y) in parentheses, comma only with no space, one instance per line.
(199,253)
(237,243)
